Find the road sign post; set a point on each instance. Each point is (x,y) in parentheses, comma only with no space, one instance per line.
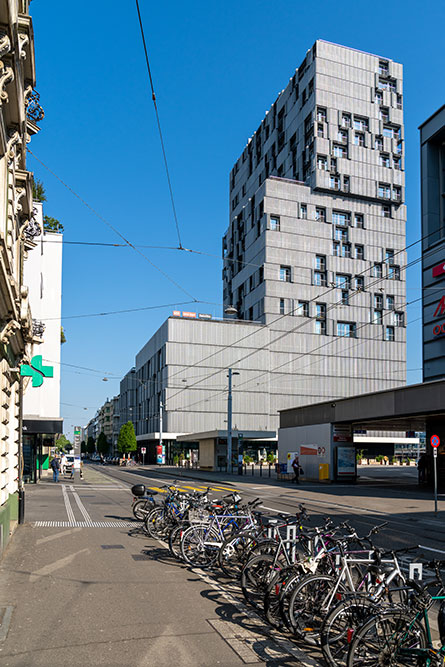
(143,450)
(435,442)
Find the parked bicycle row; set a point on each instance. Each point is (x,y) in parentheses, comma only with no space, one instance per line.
(324,585)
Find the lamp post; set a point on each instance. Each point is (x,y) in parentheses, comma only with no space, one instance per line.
(229,420)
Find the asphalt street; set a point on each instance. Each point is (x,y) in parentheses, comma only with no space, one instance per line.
(80,584)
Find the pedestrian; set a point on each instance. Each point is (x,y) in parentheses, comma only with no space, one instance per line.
(422,465)
(296,468)
(55,465)
(81,470)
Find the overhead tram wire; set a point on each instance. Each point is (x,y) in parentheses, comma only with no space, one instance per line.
(115,230)
(153,96)
(125,310)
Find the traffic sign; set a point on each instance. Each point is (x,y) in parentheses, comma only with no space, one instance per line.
(435,441)
(143,450)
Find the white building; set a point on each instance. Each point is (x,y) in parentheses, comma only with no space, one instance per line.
(41,404)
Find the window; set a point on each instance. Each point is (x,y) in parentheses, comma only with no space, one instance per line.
(320,262)
(384,114)
(397,193)
(342,136)
(334,182)
(384,191)
(377,270)
(346,120)
(399,319)
(359,283)
(346,329)
(345,298)
(320,311)
(394,272)
(359,220)
(359,139)
(320,130)
(251,282)
(302,309)
(282,306)
(333,164)
(384,160)
(260,275)
(359,252)
(392,86)
(320,278)
(399,102)
(341,218)
(361,124)
(378,301)
(320,214)
(303,211)
(399,148)
(346,250)
(346,183)
(321,114)
(336,249)
(340,150)
(389,256)
(383,68)
(341,234)
(397,162)
(275,223)
(343,280)
(386,211)
(389,334)
(378,143)
(320,327)
(285,274)
(387,131)
(390,302)
(378,97)
(322,162)
(378,317)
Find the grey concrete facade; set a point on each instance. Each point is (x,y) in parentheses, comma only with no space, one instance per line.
(432,149)
(315,245)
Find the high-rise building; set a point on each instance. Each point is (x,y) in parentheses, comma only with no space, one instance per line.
(315,244)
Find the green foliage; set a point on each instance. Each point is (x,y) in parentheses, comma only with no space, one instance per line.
(91,445)
(359,454)
(63,444)
(379,458)
(126,441)
(62,336)
(247,458)
(271,458)
(52,224)
(102,444)
(38,191)
(175,460)
(83,447)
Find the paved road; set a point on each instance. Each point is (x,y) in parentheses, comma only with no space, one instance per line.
(82,585)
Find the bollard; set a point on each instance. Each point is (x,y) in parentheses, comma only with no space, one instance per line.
(253,469)
(261,469)
(270,469)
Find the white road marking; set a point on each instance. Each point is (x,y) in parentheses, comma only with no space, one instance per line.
(6,620)
(49,568)
(439,551)
(49,538)
(69,509)
(84,524)
(272,509)
(82,507)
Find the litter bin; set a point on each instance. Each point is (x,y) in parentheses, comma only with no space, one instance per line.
(323,471)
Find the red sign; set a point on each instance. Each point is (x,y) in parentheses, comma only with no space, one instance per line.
(143,450)
(435,441)
(440,310)
(438,270)
(439,329)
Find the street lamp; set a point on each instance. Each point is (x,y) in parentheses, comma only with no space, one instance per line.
(231,310)
(229,420)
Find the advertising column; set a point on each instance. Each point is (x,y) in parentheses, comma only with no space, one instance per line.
(344,453)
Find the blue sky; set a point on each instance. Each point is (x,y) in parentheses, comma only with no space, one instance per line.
(216,67)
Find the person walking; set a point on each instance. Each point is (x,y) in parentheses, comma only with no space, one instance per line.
(55,465)
(422,466)
(296,468)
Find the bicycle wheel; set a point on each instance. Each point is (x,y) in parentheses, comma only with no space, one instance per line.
(386,641)
(175,537)
(272,598)
(235,552)
(156,523)
(256,577)
(309,603)
(340,625)
(200,545)
(141,508)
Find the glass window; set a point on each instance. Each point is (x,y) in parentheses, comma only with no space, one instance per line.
(378,301)
(320,278)
(346,183)
(397,193)
(359,252)
(320,262)
(340,151)
(333,164)
(320,214)
(359,220)
(346,329)
(341,234)
(302,309)
(394,272)
(346,120)
(397,162)
(399,147)
(399,102)
(384,191)
(342,136)
(360,124)
(322,162)
(320,327)
(389,334)
(275,223)
(384,114)
(384,160)
(321,114)
(320,311)
(379,97)
(341,218)
(346,250)
(320,130)
(377,270)
(334,182)
(378,317)
(389,256)
(383,68)
(387,131)
(386,211)
(345,298)
(359,139)
(378,143)
(343,280)
(399,319)
(282,306)
(359,283)
(336,249)
(303,211)
(285,274)
(390,302)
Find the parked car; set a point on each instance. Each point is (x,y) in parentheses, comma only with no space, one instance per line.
(68,463)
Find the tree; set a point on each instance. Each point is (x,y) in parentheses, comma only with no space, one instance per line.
(126,441)
(102,444)
(52,224)
(38,191)
(63,444)
(62,336)
(91,445)
(83,447)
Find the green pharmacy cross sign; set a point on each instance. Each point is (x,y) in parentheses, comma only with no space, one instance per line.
(37,371)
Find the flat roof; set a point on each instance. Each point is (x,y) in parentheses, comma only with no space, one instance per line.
(401,408)
(217,433)
(432,116)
